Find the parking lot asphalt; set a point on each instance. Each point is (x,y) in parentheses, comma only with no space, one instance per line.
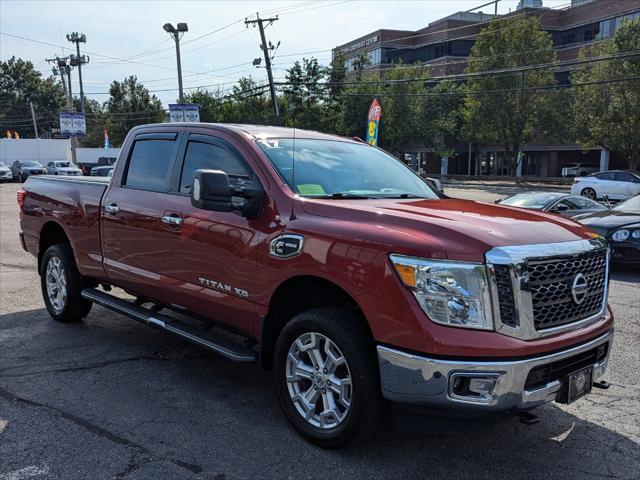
(110,398)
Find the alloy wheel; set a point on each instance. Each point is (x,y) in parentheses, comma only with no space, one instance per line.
(56,284)
(318,380)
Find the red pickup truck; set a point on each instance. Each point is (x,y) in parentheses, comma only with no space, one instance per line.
(336,265)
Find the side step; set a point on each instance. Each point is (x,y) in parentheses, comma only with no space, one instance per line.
(211,340)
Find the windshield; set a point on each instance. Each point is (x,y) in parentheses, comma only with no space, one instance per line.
(530,200)
(631,206)
(335,169)
(62,164)
(31,163)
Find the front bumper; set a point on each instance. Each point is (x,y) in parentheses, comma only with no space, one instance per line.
(418,380)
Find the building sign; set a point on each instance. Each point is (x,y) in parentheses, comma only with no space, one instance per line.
(73,123)
(362,43)
(184,112)
(373,122)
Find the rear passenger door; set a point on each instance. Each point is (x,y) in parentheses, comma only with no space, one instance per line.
(131,212)
(212,261)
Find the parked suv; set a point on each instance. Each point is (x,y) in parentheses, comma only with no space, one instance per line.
(23,169)
(63,167)
(336,265)
(579,169)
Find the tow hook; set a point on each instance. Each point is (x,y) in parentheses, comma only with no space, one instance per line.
(601,385)
(528,418)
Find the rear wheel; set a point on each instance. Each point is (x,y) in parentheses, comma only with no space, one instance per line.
(62,285)
(589,193)
(326,377)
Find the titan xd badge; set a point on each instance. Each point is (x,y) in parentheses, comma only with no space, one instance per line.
(287,245)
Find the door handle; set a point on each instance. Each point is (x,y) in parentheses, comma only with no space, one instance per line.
(112,209)
(172,220)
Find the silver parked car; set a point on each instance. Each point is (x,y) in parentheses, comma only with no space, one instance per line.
(613,184)
(5,173)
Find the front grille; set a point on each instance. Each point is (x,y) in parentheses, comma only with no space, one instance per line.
(505,295)
(550,283)
(543,374)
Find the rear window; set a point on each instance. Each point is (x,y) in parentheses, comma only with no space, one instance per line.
(149,165)
(534,201)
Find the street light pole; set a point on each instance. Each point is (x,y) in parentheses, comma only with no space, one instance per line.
(175,33)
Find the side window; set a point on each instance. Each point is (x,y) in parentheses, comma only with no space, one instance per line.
(569,204)
(150,165)
(623,177)
(604,176)
(201,155)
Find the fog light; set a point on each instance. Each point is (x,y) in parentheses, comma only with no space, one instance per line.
(473,387)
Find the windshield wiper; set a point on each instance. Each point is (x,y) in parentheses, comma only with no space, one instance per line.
(404,195)
(343,196)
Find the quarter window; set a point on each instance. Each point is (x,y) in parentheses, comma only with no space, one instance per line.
(150,165)
(208,156)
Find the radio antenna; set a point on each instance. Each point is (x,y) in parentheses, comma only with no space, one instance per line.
(292,216)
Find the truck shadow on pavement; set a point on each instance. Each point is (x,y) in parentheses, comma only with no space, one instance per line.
(161,402)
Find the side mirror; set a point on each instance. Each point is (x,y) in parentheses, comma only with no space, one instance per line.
(560,208)
(212,191)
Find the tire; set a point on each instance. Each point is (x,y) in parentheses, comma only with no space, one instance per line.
(589,193)
(61,285)
(359,405)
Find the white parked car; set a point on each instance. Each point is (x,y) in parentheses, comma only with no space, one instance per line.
(614,184)
(579,169)
(62,167)
(5,173)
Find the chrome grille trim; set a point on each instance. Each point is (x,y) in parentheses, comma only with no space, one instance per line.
(516,259)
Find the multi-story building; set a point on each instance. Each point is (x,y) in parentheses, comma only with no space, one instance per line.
(444,46)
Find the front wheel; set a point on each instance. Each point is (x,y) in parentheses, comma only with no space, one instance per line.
(589,193)
(62,285)
(327,377)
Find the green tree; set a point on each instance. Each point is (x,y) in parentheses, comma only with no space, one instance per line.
(96,121)
(21,83)
(131,104)
(608,114)
(507,109)
(403,120)
(305,94)
(359,64)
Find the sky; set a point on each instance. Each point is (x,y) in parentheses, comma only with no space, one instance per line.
(126,37)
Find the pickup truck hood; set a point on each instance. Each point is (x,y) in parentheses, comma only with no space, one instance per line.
(456,229)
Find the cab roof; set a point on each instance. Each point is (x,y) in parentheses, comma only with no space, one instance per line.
(256,131)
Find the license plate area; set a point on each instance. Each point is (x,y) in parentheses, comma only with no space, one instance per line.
(576,385)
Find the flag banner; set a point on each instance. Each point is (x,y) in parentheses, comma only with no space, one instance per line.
(107,144)
(373,122)
(79,124)
(184,112)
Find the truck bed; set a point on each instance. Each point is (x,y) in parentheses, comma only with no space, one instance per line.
(72,204)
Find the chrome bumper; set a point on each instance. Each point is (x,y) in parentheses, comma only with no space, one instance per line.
(417,380)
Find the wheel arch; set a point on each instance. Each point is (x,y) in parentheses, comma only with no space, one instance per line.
(51,233)
(295,295)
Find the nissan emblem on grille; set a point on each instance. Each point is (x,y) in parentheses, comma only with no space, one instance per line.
(579,288)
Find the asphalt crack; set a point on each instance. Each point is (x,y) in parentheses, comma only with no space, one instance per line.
(100,432)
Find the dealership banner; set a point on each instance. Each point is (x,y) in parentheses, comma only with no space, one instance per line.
(73,123)
(373,122)
(184,112)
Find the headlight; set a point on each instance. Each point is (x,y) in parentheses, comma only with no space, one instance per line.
(636,234)
(620,235)
(450,293)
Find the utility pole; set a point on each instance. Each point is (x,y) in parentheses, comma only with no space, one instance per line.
(175,33)
(62,69)
(267,57)
(33,117)
(78,60)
